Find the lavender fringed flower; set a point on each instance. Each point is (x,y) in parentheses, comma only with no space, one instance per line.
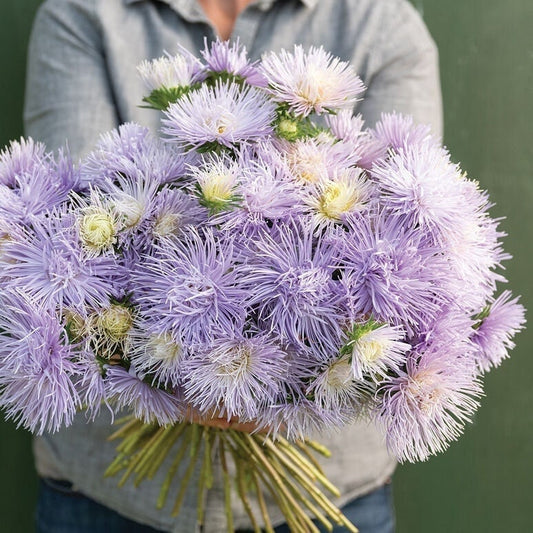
(192,288)
(293,286)
(150,404)
(133,152)
(236,376)
(475,251)
(263,193)
(225,114)
(365,145)
(426,406)
(231,58)
(376,350)
(311,82)
(296,416)
(91,387)
(34,189)
(174,210)
(133,200)
(50,265)
(335,387)
(20,158)
(392,272)
(158,355)
(311,160)
(504,318)
(421,185)
(36,366)
(400,132)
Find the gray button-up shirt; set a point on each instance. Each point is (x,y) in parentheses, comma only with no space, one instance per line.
(82,81)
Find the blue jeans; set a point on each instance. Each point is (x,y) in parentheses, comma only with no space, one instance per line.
(62,510)
(371,513)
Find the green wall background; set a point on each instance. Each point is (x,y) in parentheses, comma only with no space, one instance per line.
(484,482)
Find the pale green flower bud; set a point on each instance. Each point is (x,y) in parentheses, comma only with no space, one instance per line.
(115,322)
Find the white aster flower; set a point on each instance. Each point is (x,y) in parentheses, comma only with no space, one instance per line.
(331,200)
(376,349)
(169,71)
(335,386)
(217,179)
(311,82)
(158,354)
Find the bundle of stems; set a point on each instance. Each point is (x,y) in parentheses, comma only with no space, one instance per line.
(288,471)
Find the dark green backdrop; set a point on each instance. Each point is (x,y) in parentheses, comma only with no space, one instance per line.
(484,482)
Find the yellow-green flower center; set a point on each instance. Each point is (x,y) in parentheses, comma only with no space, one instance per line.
(287,128)
(115,322)
(239,364)
(76,325)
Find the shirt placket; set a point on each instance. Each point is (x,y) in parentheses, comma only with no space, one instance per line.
(248,22)
(246,25)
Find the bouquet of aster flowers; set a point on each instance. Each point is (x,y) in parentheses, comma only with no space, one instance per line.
(256,265)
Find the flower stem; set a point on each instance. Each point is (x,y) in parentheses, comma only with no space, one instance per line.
(227,486)
(130,422)
(163,493)
(274,474)
(206,474)
(150,468)
(309,468)
(140,455)
(196,435)
(261,502)
(302,445)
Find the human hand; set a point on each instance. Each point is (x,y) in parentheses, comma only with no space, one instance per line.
(213,420)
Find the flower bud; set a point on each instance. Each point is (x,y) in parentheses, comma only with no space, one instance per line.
(97,230)
(115,322)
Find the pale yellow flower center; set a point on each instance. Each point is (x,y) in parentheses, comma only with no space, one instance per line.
(239,364)
(339,374)
(307,167)
(77,326)
(337,199)
(97,230)
(167,224)
(217,187)
(317,87)
(163,348)
(370,350)
(424,388)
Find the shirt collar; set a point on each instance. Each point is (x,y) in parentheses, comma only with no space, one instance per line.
(309,3)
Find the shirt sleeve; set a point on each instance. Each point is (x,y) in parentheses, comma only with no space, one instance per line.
(68,93)
(404,75)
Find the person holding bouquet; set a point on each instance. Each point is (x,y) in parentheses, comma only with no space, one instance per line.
(82,81)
